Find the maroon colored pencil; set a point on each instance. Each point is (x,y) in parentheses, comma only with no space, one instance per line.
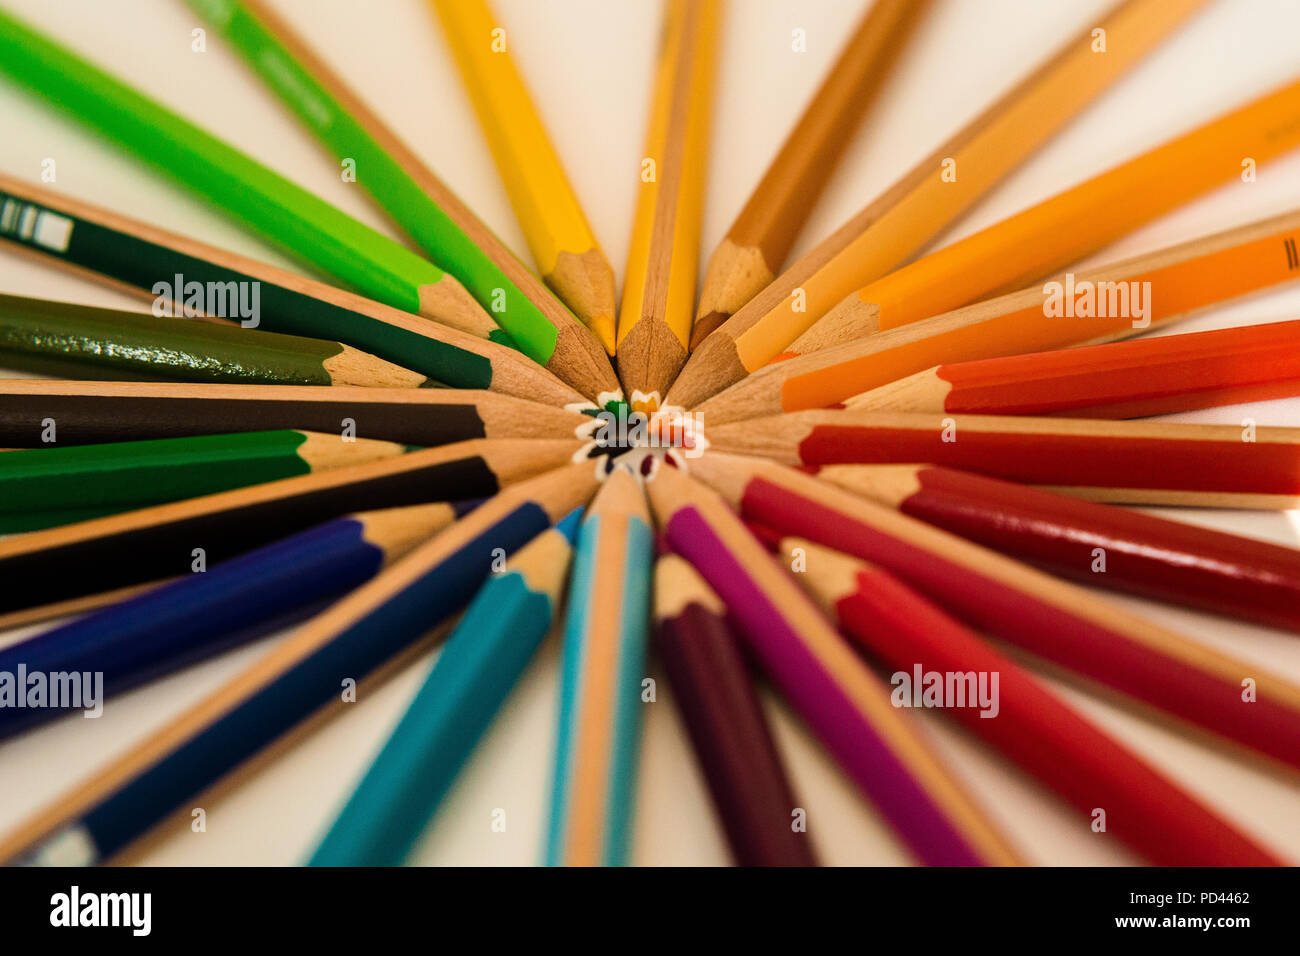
(714,691)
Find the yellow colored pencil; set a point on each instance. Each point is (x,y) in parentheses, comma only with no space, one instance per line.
(654,323)
(558,234)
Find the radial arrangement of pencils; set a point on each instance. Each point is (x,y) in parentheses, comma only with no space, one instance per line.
(854,507)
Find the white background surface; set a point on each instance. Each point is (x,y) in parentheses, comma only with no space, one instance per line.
(589,65)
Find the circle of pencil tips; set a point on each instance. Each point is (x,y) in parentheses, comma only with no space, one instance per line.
(915,471)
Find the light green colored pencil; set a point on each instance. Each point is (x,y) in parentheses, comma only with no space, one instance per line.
(283,212)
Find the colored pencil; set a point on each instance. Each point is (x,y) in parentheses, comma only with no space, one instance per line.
(1100,545)
(598,730)
(438,222)
(37,483)
(1183,279)
(281,211)
(844,703)
(932,195)
(1135,462)
(560,239)
(161,541)
(40,335)
(756,245)
(175,625)
(1172,373)
(78,605)
(301,676)
(1070,225)
(93,412)
(165,267)
(1031,725)
(1221,699)
(733,744)
(654,319)
(474,673)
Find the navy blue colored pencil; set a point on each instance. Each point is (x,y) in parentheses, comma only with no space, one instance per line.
(303,675)
(192,617)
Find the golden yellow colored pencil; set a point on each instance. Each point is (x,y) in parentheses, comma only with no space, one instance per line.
(654,323)
(558,235)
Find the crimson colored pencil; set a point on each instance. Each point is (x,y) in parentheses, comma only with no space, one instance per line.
(1100,545)
(844,703)
(1230,701)
(1031,725)
(733,743)
(1135,462)
(1172,373)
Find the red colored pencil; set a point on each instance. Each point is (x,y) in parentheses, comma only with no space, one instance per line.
(1031,725)
(1172,373)
(1132,462)
(1101,545)
(715,695)
(1232,701)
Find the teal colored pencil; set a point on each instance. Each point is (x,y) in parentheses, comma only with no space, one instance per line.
(283,212)
(476,670)
(598,735)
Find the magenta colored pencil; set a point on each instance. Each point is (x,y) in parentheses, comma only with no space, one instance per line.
(845,704)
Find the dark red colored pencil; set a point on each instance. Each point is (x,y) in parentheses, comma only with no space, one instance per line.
(715,694)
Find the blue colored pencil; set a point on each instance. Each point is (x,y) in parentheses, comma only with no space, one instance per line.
(181,622)
(600,691)
(481,662)
(101,815)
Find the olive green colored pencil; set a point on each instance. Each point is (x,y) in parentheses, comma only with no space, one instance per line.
(418,202)
(46,487)
(283,212)
(82,341)
(159,266)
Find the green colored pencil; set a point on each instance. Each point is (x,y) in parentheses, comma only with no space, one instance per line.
(83,341)
(46,487)
(414,197)
(283,212)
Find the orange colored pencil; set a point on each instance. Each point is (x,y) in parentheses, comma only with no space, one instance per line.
(1182,280)
(1173,373)
(933,194)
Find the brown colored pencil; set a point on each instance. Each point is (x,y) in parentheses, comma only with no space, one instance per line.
(755,247)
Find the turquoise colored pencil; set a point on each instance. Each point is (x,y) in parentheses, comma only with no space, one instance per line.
(280,210)
(477,669)
(606,625)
